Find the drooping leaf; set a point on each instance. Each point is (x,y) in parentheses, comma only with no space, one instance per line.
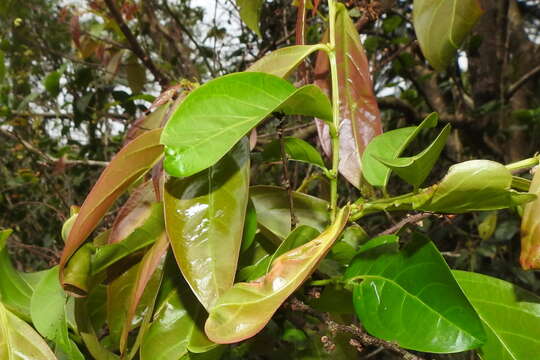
(136,75)
(15,292)
(246,308)
(442,25)
(141,237)
(135,159)
(473,186)
(273,213)
(511,316)
(530,231)
(296,149)
(48,310)
(410,297)
(204,217)
(415,169)
(250,12)
(360,120)
(144,289)
(178,321)
(282,62)
(19,341)
(389,146)
(218,114)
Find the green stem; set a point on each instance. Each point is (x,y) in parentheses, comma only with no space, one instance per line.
(334,127)
(524,164)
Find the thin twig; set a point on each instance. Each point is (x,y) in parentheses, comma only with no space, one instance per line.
(286,178)
(407,220)
(134,45)
(364,338)
(518,84)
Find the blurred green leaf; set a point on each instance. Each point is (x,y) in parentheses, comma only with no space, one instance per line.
(250,12)
(296,149)
(283,61)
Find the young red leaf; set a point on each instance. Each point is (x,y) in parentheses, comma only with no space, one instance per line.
(135,159)
(360,119)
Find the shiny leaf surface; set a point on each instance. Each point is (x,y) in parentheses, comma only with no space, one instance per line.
(48,310)
(141,237)
(296,238)
(136,158)
(282,62)
(530,231)
(204,217)
(218,114)
(273,213)
(442,25)
(475,185)
(511,316)
(389,146)
(410,297)
(359,113)
(18,341)
(296,149)
(246,308)
(177,324)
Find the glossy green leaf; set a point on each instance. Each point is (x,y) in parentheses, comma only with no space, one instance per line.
(390,145)
(296,149)
(415,169)
(48,310)
(177,324)
(411,298)
(442,25)
(250,12)
(283,61)
(68,224)
(218,114)
(360,118)
(250,227)
(296,238)
(383,240)
(473,186)
(15,291)
(246,308)
(135,159)
(76,280)
(273,213)
(511,316)
(141,237)
(204,217)
(530,231)
(19,341)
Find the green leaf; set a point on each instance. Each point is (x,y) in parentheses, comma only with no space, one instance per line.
(204,217)
(383,240)
(415,169)
(250,227)
(178,322)
(136,75)
(48,310)
(274,216)
(442,25)
(411,298)
(360,118)
(390,145)
(298,237)
(141,237)
(487,227)
(134,160)
(15,291)
(283,61)
(296,149)
(2,67)
(76,279)
(52,83)
(246,308)
(250,12)
(511,316)
(19,341)
(218,114)
(475,185)
(530,231)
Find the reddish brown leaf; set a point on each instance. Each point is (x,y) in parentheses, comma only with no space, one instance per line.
(135,159)
(75,28)
(359,113)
